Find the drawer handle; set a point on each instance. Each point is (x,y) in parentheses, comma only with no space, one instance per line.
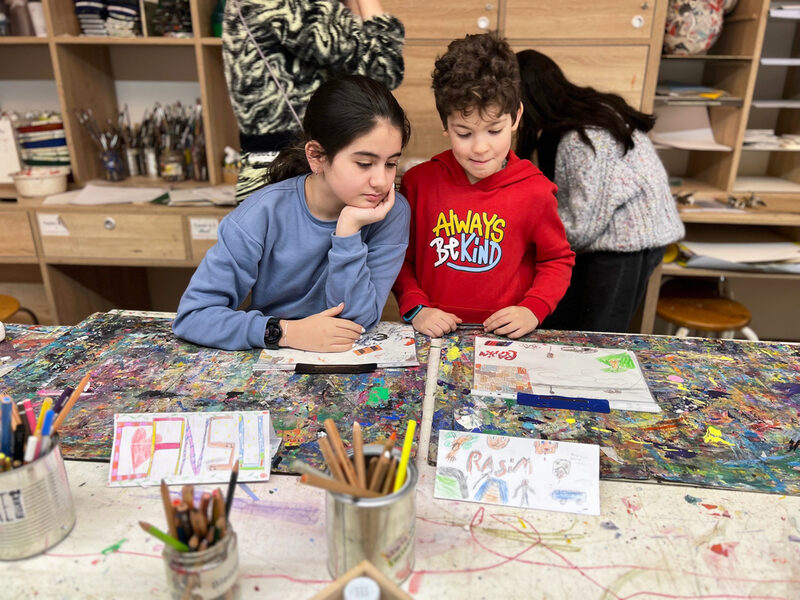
(645,6)
(638,21)
(110,223)
(483,22)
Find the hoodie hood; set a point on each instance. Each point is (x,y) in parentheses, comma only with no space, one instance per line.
(515,171)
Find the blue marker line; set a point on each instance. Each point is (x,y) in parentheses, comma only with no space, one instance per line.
(563,402)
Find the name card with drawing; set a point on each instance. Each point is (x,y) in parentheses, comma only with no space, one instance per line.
(511,471)
(191,447)
(504,368)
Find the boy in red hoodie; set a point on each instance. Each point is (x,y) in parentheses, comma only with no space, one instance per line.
(486,244)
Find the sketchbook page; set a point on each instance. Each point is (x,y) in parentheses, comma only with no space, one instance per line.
(741,244)
(504,367)
(387,344)
(221,195)
(512,471)
(94,194)
(189,447)
(685,127)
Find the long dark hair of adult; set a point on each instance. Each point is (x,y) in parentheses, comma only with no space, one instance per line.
(341,110)
(554,106)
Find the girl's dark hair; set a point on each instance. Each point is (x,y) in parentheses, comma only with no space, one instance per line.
(341,110)
(554,106)
(479,72)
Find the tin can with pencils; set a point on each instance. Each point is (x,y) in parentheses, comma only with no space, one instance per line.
(206,574)
(381,530)
(36,509)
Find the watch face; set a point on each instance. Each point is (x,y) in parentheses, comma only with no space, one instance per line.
(273,334)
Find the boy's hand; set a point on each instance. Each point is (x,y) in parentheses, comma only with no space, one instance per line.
(511,321)
(353,218)
(322,332)
(435,322)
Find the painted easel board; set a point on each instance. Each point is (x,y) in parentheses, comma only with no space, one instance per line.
(504,368)
(388,345)
(730,410)
(139,366)
(514,471)
(190,447)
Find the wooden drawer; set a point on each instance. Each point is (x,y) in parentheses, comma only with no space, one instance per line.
(16,238)
(579,19)
(109,235)
(618,69)
(202,235)
(445,19)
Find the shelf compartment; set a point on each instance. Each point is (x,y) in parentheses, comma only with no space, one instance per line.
(684,101)
(767,183)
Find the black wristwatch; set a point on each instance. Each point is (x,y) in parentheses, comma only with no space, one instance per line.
(409,316)
(273,333)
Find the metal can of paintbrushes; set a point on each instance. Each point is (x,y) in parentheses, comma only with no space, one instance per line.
(36,509)
(381,530)
(205,574)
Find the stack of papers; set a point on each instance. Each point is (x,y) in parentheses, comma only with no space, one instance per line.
(685,127)
(222,195)
(740,249)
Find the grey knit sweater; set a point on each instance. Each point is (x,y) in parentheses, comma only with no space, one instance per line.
(611,202)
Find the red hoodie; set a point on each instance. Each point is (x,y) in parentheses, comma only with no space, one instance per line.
(477,248)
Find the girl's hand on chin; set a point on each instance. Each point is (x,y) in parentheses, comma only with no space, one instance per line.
(353,218)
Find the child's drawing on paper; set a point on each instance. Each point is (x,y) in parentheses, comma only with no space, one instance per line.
(508,368)
(510,471)
(387,344)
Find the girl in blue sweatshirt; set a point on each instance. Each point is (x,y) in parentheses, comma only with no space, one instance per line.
(318,248)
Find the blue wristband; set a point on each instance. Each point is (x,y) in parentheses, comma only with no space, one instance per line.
(409,316)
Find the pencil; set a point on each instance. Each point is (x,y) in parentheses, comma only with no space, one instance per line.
(30,419)
(187,494)
(376,483)
(336,486)
(388,481)
(358,455)
(330,459)
(62,398)
(169,510)
(47,404)
(231,489)
(71,402)
(301,467)
(339,452)
(405,455)
(167,539)
(16,419)
(371,468)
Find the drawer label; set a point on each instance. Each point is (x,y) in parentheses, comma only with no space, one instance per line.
(51,224)
(203,228)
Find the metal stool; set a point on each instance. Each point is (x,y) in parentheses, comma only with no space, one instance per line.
(700,305)
(9,306)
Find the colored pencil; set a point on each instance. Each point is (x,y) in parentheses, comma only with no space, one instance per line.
(231,489)
(330,459)
(376,483)
(30,419)
(336,486)
(358,455)
(47,404)
(301,467)
(167,539)
(405,455)
(339,452)
(62,398)
(47,428)
(187,494)
(71,402)
(7,434)
(388,481)
(169,510)
(16,419)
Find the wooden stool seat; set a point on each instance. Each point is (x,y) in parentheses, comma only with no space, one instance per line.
(8,307)
(707,314)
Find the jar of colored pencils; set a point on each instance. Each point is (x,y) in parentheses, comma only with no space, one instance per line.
(379,529)
(206,574)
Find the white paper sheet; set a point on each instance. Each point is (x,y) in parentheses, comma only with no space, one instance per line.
(505,367)
(741,245)
(511,471)
(189,447)
(94,194)
(685,127)
(387,344)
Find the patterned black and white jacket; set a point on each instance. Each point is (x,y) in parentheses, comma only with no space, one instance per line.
(306,42)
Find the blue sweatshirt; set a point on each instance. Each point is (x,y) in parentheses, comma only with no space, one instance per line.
(294,265)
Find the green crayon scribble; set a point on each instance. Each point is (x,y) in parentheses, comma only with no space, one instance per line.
(114,547)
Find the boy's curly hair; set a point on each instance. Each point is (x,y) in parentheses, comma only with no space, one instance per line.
(476,72)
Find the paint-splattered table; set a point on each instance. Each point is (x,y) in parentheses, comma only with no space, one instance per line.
(138,365)
(730,410)
(652,541)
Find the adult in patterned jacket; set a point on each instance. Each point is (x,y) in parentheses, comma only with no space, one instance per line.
(305,42)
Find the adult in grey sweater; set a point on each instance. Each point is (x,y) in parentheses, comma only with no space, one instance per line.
(613,193)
